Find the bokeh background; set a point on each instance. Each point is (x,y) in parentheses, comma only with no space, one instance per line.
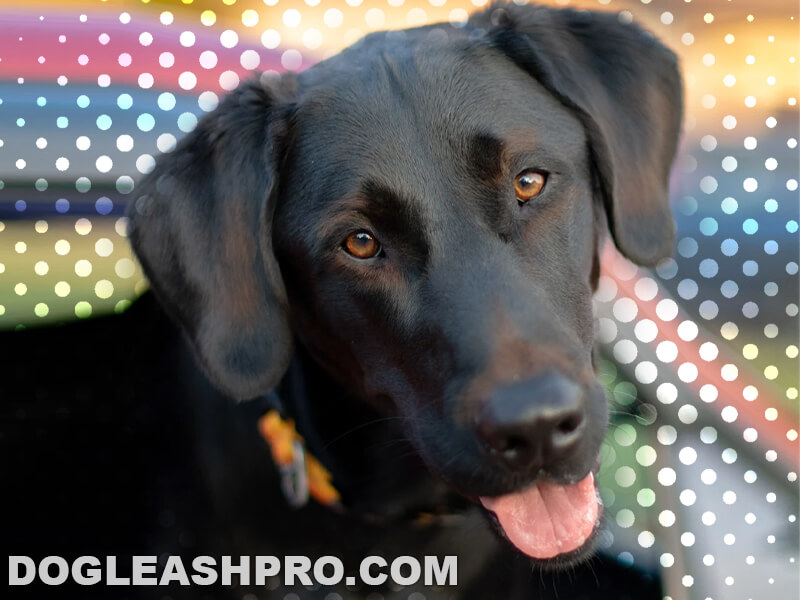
(699,356)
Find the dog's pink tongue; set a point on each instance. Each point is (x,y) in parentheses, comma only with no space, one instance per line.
(548,518)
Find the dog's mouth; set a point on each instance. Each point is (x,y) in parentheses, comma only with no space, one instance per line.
(548,519)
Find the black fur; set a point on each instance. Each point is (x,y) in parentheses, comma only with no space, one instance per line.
(386,364)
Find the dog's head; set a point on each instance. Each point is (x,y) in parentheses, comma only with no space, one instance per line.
(423,213)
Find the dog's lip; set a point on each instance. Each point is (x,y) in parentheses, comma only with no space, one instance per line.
(474,496)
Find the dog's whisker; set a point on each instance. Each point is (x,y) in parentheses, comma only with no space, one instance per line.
(372,422)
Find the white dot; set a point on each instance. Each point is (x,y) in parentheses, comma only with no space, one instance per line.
(229,38)
(292,59)
(145,38)
(687,498)
(667,435)
(333,18)
(292,18)
(207,101)
(646,289)
(312,39)
(625,310)
(124,143)
(146,81)
(250,59)
(167,17)
(41,268)
(208,59)
(228,80)
(416,17)
(187,39)
(124,268)
(606,289)
(646,372)
(667,476)
(687,372)
(62,163)
(708,476)
(187,80)
(458,17)
(646,539)
(625,351)
(104,247)
(687,331)
(708,393)
(249,18)
(687,455)
(729,372)
(645,330)
(271,39)
(667,309)
(708,143)
(666,351)
(104,164)
(729,122)
(62,247)
(687,414)
(83,268)
(104,289)
(166,59)
(375,18)
(145,163)
(729,414)
(667,393)
(166,142)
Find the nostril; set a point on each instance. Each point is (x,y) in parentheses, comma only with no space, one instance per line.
(569,424)
(516,443)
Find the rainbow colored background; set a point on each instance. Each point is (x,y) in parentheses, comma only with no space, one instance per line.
(705,407)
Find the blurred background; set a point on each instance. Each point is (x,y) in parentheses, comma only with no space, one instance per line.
(699,356)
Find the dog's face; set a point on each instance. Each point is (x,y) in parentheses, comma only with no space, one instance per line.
(424,212)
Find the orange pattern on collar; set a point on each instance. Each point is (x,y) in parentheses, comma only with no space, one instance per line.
(281,436)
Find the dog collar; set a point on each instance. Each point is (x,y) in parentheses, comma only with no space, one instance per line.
(302,475)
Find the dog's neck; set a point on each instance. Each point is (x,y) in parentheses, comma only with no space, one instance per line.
(373,464)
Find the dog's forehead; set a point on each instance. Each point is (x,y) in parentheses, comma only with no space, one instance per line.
(413,103)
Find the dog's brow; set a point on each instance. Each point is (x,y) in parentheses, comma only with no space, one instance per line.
(486,154)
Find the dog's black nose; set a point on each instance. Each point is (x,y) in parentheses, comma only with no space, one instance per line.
(532,423)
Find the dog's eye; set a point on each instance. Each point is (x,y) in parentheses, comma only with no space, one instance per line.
(361,244)
(528,184)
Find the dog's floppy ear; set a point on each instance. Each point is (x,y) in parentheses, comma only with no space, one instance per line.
(201,226)
(626,88)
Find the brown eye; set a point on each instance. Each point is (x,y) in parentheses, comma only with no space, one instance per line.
(362,244)
(529,184)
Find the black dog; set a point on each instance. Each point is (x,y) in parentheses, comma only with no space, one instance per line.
(402,242)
